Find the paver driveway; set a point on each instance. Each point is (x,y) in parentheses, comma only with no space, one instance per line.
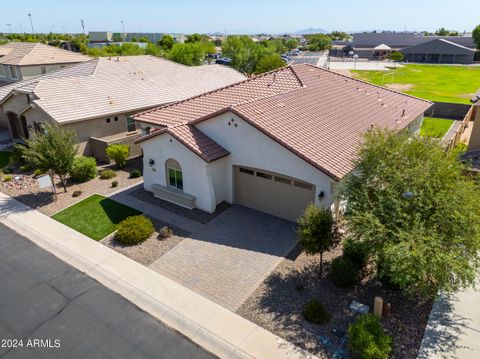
(230,256)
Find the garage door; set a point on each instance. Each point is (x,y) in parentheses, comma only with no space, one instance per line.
(272,193)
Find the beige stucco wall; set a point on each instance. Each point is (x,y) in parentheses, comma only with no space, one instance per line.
(474,143)
(15,104)
(30,71)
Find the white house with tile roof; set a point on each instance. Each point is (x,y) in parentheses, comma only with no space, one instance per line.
(275,142)
(23,60)
(97,97)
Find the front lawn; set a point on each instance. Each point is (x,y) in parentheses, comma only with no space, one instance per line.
(95,216)
(439,83)
(435,127)
(4,158)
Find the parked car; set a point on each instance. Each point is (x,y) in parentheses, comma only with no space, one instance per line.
(223,61)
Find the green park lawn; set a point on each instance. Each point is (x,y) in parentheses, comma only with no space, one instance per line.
(438,83)
(95,216)
(435,127)
(4,158)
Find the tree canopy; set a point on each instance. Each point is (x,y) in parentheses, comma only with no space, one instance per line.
(191,53)
(318,42)
(269,63)
(414,207)
(476,36)
(166,42)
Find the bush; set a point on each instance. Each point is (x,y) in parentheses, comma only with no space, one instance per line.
(26,168)
(83,169)
(107,174)
(76,193)
(7,169)
(367,339)
(314,312)
(17,155)
(165,232)
(119,153)
(134,229)
(135,174)
(385,278)
(356,252)
(39,172)
(7,178)
(343,273)
(115,184)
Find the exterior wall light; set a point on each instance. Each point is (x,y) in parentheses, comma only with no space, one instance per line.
(151,162)
(321,195)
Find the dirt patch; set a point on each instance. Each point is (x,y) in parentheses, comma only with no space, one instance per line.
(400,87)
(277,304)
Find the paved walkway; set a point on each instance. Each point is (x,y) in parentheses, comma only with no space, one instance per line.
(42,297)
(230,256)
(453,329)
(208,324)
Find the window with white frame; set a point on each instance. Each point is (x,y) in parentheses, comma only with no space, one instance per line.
(13,72)
(2,71)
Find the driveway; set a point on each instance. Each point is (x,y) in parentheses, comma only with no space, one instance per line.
(43,298)
(229,257)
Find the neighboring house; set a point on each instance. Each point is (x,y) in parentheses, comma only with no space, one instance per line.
(275,142)
(23,60)
(104,38)
(416,47)
(97,97)
(474,142)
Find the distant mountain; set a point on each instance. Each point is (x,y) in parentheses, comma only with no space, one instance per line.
(310,31)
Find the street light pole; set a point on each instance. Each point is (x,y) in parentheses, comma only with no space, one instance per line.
(123,26)
(31,23)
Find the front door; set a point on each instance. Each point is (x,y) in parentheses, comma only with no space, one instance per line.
(24,126)
(12,121)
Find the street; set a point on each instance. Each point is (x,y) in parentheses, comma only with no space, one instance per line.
(48,309)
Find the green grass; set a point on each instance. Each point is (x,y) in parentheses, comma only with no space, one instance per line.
(95,216)
(4,158)
(439,83)
(435,127)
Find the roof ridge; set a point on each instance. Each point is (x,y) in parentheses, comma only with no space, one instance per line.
(216,90)
(367,83)
(28,53)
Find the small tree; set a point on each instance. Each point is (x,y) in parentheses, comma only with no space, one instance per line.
(476,36)
(317,232)
(166,42)
(119,153)
(397,56)
(269,63)
(53,150)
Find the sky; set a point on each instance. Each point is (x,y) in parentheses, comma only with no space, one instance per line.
(243,16)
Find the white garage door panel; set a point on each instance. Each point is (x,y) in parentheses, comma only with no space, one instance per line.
(272,193)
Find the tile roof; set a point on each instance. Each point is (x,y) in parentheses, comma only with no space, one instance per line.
(121,84)
(317,114)
(194,139)
(31,53)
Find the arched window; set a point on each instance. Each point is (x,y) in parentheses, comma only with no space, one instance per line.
(174,174)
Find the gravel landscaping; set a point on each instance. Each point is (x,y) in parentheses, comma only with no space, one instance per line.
(277,304)
(195,214)
(150,250)
(24,188)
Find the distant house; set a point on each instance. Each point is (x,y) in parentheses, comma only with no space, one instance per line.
(103,38)
(416,47)
(275,142)
(24,60)
(97,98)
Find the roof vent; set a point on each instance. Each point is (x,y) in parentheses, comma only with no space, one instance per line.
(403,113)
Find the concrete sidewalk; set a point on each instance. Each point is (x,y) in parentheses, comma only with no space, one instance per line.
(213,327)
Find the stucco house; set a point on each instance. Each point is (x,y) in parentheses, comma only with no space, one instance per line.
(23,60)
(275,142)
(97,97)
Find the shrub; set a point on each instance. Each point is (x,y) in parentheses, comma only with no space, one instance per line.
(367,339)
(39,172)
(115,184)
(135,174)
(134,229)
(26,168)
(119,153)
(7,169)
(107,173)
(76,193)
(385,278)
(17,155)
(343,273)
(165,232)
(314,312)
(356,252)
(83,169)
(7,178)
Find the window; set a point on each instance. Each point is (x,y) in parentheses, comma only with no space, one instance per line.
(246,171)
(2,71)
(264,175)
(283,180)
(302,185)
(13,72)
(130,124)
(44,69)
(115,118)
(175,178)
(108,120)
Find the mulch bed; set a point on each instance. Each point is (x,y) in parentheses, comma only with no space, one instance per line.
(150,250)
(195,214)
(277,305)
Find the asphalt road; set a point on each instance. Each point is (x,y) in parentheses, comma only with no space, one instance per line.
(59,312)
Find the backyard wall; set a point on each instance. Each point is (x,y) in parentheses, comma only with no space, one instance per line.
(453,111)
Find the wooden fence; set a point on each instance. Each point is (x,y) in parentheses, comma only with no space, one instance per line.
(455,138)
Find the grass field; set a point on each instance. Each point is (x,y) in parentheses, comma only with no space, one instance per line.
(435,127)
(439,83)
(95,216)
(4,158)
